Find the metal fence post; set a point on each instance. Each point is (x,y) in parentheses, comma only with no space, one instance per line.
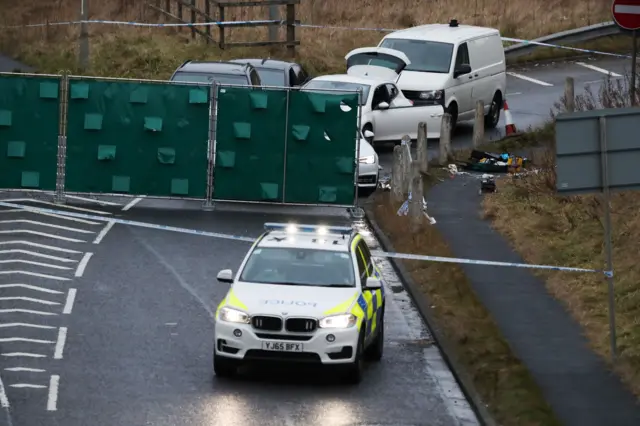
(59,197)
(211,144)
(286,143)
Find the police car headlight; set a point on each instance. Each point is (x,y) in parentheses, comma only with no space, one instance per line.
(338,321)
(233,315)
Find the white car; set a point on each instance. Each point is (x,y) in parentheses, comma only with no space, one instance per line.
(386,114)
(303,294)
(368,166)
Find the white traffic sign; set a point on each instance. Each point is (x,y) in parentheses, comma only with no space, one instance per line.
(626,13)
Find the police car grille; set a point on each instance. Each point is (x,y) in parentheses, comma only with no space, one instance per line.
(266,323)
(301,325)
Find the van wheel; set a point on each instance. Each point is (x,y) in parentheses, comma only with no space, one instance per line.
(452,109)
(492,119)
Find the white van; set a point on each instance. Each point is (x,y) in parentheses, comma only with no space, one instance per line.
(450,65)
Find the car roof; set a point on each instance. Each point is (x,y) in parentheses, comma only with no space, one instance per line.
(443,33)
(306,240)
(346,78)
(265,63)
(214,66)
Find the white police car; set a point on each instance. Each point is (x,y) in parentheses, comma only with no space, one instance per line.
(303,293)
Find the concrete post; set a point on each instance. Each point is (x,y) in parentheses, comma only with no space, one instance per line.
(478,125)
(396,175)
(445,139)
(421,147)
(416,215)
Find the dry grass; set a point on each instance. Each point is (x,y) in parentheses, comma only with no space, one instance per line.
(502,381)
(548,229)
(154,53)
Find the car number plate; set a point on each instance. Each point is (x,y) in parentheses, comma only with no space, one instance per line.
(282,346)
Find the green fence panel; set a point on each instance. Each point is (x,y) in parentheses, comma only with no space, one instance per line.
(250,143)
(29,130)
(321,148)
(138,138)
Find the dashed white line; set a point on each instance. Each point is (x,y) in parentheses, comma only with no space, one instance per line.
(93,200)
(62,338)
(30,299)
(83,264)
(25,311)
(24,354)
(43,246)
(29,200)
(529,79)
(24,339)
(598,69)
(31,262)
(24,324)
(27,385)
(27,369)
(132,203)
(34,274)
(514,94)
(50,225)
(57,216)
(31,287)
(36,254)
(52,401)
(71,297)
(42,234)
(104,231)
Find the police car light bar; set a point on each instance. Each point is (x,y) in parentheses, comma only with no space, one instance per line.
(293,228)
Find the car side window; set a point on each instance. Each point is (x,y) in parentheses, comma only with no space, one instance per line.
(302,74)
(253,75)
(380,95)
(366,254)
(362,267)
(462,57)
(293,78)
(393,91)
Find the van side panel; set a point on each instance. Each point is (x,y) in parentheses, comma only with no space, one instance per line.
(488,62)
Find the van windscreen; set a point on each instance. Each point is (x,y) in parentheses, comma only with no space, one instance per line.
(425,56)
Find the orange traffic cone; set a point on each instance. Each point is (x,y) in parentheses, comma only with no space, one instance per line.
(510,127)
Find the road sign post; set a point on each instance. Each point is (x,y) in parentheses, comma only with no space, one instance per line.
(596,154)
(626,13)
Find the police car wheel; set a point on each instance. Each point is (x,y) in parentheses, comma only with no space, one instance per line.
(224,367)
(356,368)
(374,352)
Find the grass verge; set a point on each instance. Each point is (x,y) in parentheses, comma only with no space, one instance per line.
(503,382)
(547,229)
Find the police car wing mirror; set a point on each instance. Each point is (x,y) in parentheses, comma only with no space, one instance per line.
(373,283)
(225,276)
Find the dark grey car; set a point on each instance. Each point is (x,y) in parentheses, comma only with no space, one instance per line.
(218,71)
(277,73)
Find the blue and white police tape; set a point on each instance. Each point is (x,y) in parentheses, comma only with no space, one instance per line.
(281,22)
(405,256)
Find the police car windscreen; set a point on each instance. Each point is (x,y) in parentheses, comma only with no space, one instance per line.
(299,266)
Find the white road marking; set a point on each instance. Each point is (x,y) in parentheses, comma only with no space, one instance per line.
(24,339)
(44,246)
(4,401)
(31,262)
(50,225)
(598,69)
(93,200)
(34,274)
(25,311)
(30,200)
(28,385)
(30,299)
(529,79)
(42,234)
(627,8)
(104,231)
(31,287)
(62,338)
(83,264)
(132,203)
(24,354)
(31,370)
(71,297)
(514,94)
(57,216)
(36,254)
(52,401)
(24,324)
